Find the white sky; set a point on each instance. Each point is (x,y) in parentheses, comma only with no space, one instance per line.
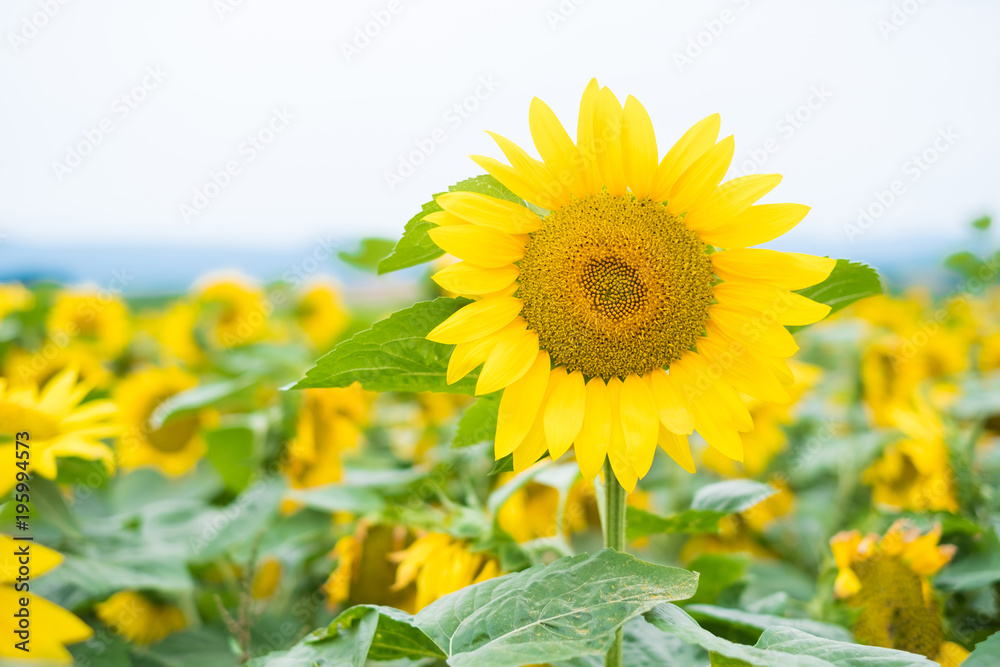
(324,172)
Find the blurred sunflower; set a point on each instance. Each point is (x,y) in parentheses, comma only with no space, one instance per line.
(330,422)
(235,312)
(24,368)
(439,564)
(61,627)
(531,512)
(915,473)
(580,314)
(173,330)
(320,313)
(365,568)
(99,321)
(13,298)
(888,580)
(267,578)
(60,425)
(176,446)
(139,618)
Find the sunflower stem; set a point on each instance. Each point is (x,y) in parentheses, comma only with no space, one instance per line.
(614,537)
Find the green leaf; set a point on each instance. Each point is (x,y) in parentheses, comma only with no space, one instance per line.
(195,646)
(976,571)
(82,580)
(709,505)
(479,423)
(780,646)
(395,636)
(848,282)
(983,222)
(716,573)
(565,610)
(500,466)
(746,619)
(394,355)
(349,645)
(230,452)
(646,646)
(416,247)
(986,653)
(368,256)
(197,398)
(338,498)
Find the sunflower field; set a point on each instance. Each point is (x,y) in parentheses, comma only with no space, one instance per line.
(595,427)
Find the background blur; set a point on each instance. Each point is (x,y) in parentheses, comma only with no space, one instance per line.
(163,140)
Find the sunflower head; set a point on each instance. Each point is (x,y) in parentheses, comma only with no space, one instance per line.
(235,310)
(439,564)
(603,306)
(888,580)
(320,313)
(140,618)
(92,318)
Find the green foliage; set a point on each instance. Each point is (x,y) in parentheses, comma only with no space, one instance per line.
(416,247)
(369,254)
(479,423)
(394,355)
(986,653)
(848,282)
(709,505)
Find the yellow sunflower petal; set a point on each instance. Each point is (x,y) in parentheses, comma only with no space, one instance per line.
(522,186)
(519,405)
(564,414)
(445,219)
(621,462)
(534,443)
(490,212)
(789,270)
(591,443)
(674,412)
(585,136)
(466,278)
(788,308)
(481,246)
(639,155)
(682,155)
(640,422)
(608,142)
(677,447)
(471,354)
(742,370)
(701,178)
(476,320)
(756,225)
(755,331)
(511,358)
(556,148)
(553,193)
(729,200)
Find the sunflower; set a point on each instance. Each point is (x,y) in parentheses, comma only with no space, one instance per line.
(14,297)
(365,568)
(176,446)
(888,580)
(440,564)
(59,425)
(24,368)
(97,320)
(58,626)
(235,310)
(330,421)
(320,313)
(139,618)
(609,320)
(173,330)
(915,473)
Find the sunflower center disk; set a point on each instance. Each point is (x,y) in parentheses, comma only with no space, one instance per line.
(615,286)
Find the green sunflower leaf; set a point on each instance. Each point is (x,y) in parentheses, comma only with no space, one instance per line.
(848,282)
(416,247)
(394,355)
(394,636)
(568,609)
(986,653)
(369,255)
(779,646)
(479,423)
(709,505)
